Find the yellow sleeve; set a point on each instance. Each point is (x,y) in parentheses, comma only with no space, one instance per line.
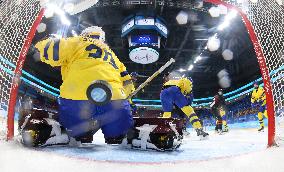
(263,96)
(56,52)
(171,82)
(123,72)
(125,78)
(252,97)
(128,88)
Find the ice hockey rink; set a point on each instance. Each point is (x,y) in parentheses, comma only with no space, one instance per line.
(242,149)
(226,46)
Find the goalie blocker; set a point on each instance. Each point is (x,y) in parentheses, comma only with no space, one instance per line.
(40,127)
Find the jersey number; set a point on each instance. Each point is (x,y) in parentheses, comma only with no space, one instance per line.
(96,52)
(55,50)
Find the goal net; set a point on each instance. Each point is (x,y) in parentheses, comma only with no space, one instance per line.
(264,20)
(17,20)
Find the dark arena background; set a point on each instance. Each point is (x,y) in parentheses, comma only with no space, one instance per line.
(220,45)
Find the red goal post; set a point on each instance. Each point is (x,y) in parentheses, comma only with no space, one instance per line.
(264,21)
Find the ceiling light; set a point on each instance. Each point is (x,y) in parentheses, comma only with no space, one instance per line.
(68,7)
(222,73)
(214,11)
(182,17)
(52,8)
(197,59)
(41,27)
(49,12)
(190,67)
(223,9)
(225,82)
(181,70)
(56,36)
(228,19)
(74,33)
(213,43)
(228,54)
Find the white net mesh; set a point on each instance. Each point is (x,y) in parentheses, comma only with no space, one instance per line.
(267,19)
(16,20)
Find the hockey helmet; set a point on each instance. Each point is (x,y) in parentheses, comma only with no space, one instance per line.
(220,91)
(94,32)
(185,85)
(255,84)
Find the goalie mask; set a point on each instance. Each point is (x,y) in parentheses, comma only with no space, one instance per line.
(94,32)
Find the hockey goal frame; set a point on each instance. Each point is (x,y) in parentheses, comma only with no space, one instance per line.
(253,37)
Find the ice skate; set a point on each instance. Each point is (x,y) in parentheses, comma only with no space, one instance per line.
(226,129)
(185,132)
(203,135)
(261,129)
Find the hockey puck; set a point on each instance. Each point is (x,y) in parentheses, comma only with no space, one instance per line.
(99,92)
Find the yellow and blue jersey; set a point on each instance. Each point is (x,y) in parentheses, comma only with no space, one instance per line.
(184,84)
(258,95)
(83,60)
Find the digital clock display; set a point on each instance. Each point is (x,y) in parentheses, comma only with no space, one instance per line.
(144,40)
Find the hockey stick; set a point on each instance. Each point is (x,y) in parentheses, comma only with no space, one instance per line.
(151,78)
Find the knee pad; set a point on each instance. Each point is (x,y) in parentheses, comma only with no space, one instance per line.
(36,132)
(188,110)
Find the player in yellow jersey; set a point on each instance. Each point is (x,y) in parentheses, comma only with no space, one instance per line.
(258,100)
(173,93)
(84,59)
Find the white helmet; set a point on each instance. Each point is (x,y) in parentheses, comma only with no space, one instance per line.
(94,30)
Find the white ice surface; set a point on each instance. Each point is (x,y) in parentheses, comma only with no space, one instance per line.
(240,150)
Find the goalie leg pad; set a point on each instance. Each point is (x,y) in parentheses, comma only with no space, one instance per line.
(156,133)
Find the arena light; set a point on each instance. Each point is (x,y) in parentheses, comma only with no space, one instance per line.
(190,67)
(213,43)
(41,27)
(223,25)
(182,18)
(74,33)
(56,36)
(52,8)
(49,12)
(223,9)
(231,15)
(197,59)
(63,18)
(228,54)
(222,73)
(225,82)
(214,12)
(181,70)
(68,7)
